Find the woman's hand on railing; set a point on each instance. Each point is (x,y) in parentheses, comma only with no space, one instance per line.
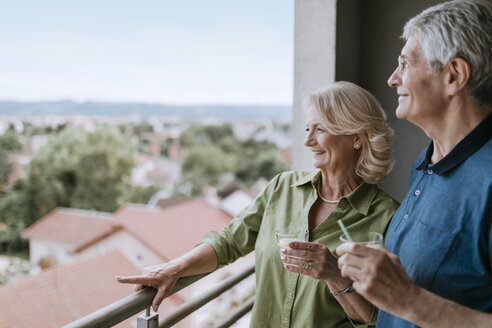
(162,277)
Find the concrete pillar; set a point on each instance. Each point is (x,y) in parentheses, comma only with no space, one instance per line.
(314,64)
(356,41)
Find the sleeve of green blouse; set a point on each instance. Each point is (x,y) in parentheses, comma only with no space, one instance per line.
(239,237)
(370,324)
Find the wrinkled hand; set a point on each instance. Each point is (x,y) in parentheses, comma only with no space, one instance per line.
(378,274)
(323,263)
(162,277)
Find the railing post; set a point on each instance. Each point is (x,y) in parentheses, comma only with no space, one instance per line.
(148,320)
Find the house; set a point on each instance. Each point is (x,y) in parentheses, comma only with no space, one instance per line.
(235,202)
(145,236)
(62,294)
(58,235)
(171,231)
(152,169)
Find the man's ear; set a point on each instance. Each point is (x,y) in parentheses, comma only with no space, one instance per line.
(458,75)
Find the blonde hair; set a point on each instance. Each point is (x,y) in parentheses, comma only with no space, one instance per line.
(345,108)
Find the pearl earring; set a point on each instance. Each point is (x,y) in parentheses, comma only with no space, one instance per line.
(357,146)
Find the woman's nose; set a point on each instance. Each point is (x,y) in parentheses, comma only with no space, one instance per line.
(308,140)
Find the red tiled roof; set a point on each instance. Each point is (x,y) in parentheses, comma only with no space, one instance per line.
(61,295)
(79,228)
(174,230)
(166,202)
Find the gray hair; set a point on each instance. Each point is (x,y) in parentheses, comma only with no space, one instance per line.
(460,28)
(345,108)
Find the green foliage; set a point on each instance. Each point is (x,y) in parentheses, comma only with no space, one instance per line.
(206,166)
(214,151)
(265,164)
(79,169)
(282,126)
(253,146)
(5,166)
(268,164)
(141,195)
(188,137)
(13,216)
(230,145)
(142,128)
(31,130)
(258,159)
(10,141)
(166,143)
(202,135)
(216,133)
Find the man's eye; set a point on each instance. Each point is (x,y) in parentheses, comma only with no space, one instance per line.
(402,63)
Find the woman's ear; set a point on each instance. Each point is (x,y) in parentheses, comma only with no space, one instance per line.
(458,75)
(357,143)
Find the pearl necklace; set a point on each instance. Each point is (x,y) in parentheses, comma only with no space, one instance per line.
(324,199)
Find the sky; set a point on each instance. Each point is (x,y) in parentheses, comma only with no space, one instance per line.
(151,51)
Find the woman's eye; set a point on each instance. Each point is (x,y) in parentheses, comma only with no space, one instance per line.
(320,130)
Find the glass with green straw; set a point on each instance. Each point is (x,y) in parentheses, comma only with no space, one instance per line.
(360,237)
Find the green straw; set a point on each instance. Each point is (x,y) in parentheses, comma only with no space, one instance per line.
(345,232)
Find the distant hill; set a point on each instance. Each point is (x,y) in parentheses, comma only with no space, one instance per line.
(71,108)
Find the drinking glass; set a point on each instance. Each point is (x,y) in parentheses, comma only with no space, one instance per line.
(364,238)
(283,239)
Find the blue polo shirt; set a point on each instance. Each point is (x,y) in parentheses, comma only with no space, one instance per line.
(442,231)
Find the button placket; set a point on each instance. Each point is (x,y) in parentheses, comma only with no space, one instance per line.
(289,299)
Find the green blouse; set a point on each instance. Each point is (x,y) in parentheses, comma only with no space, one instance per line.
(284,298)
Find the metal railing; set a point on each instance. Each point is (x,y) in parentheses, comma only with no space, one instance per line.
(237,314)
(130,305)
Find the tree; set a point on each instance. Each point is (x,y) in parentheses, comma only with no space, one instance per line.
(79,169)
(10,141)
(5,166)
(13,218)
(142,194)
(215,133)
(204,166)
(207,135)
(230,145)
(265,164)
(258,159)
(142,128)
(268,164)
(188,137)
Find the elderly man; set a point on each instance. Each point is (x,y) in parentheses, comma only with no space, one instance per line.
(436,270)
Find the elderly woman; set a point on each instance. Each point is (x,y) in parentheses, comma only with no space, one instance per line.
(351,144)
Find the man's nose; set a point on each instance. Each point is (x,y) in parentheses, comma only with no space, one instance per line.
(394,79)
